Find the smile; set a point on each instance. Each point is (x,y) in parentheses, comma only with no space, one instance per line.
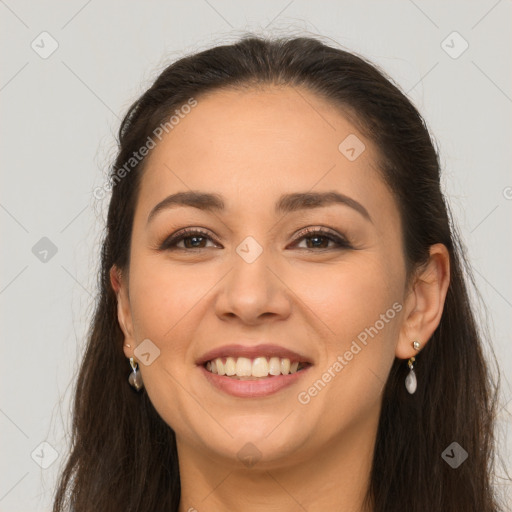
(253,378)
(243,368)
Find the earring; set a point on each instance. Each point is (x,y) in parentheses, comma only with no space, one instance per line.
(135,378)
(411,382)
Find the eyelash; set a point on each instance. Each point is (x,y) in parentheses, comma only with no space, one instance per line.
(170,243)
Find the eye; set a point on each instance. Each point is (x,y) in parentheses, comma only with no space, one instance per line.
(196,239)
(192,239)
(321,237)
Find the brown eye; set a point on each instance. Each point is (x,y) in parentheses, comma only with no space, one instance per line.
(320,239)
(192,239)
(315,239)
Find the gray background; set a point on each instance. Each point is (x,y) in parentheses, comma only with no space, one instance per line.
(59,116)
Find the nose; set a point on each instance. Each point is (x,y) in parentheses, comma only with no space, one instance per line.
(254,292)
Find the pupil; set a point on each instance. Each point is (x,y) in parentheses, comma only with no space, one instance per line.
(194,238)
(317,238)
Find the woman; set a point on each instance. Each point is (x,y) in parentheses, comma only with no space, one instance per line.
(283,321)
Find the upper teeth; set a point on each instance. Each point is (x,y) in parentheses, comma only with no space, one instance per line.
(258,367)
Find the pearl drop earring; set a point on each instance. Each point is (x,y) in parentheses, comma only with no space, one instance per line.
(411,383)
(135,378)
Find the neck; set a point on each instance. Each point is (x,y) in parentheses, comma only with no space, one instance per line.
(334,476)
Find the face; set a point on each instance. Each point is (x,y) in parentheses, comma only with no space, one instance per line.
(318,282)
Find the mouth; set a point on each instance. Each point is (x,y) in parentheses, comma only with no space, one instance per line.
(253,371)
(258,368)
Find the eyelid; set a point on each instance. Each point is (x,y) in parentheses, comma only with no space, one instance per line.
(315,229)
(328,233)
(179,235)
(170,243)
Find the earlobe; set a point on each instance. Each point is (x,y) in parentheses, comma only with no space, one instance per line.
(425,302)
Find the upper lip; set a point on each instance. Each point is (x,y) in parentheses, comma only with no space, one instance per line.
(251,352)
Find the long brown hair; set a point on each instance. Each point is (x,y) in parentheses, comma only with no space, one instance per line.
(123,455)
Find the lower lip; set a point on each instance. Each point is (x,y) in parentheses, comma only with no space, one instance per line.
(253,388)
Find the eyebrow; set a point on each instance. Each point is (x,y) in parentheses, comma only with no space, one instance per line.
(287,202)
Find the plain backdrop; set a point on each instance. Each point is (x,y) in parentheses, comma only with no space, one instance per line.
(69,72)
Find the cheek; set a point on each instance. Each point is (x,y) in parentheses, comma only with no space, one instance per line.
(164,301)
(161,295)
(359,306)
(350,296)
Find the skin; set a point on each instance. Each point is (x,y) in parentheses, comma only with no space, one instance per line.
(252,146)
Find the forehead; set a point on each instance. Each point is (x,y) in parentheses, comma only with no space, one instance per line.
(256,144)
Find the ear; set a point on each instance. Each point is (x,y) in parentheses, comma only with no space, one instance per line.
(425,302)
(119,285)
